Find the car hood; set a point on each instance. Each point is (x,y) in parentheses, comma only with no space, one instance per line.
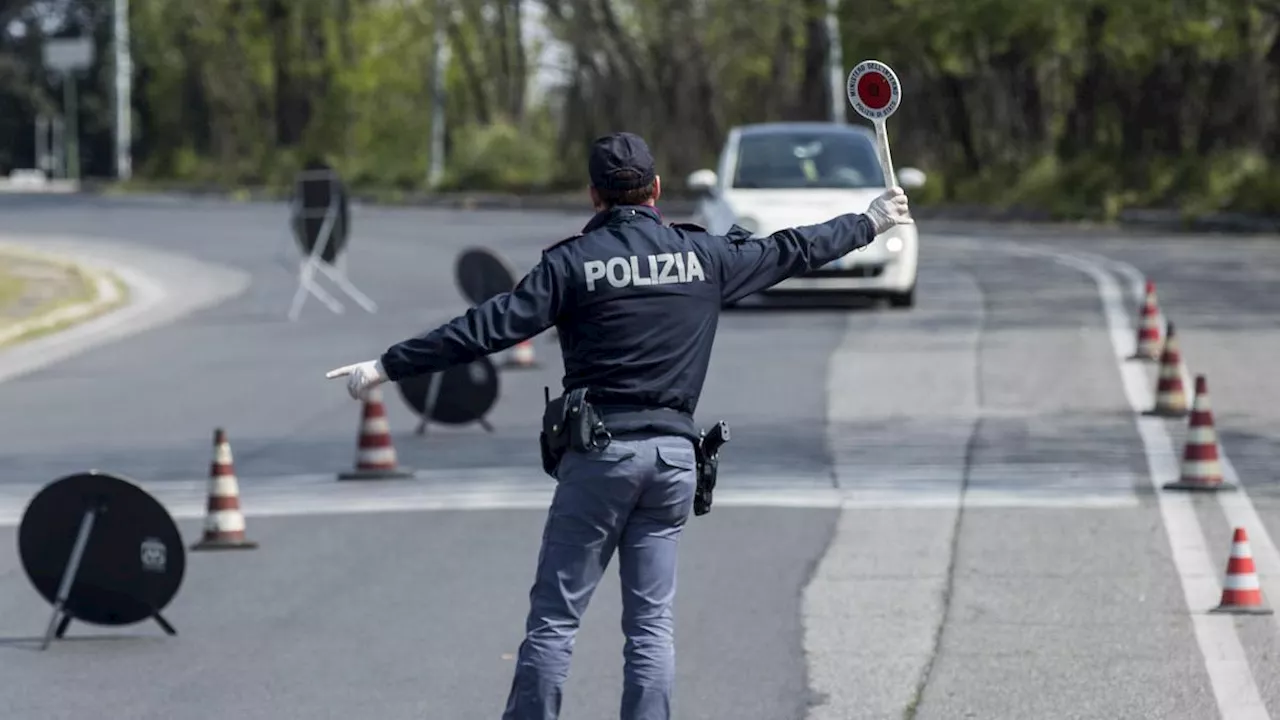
(773,210)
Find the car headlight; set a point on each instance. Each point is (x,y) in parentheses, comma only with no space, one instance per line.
(893,244)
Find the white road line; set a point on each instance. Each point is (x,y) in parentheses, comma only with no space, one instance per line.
(1138,289)
(1232,679)
(1236,505)
(324,495)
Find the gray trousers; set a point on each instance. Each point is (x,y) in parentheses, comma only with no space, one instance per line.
(633,497)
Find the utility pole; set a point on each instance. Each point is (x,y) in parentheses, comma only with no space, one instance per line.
(435,172)
(124,92)
(73,124)
(58,137)
(66,57)
(835,64)
(44,162)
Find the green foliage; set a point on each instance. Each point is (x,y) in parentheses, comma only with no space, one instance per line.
(1084,109)
(1089,187)
(1081,108)
(499,157)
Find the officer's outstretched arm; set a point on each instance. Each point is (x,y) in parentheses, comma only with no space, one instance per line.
(753,264)
(496,324)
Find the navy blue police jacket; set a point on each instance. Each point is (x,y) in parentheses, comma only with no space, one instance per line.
(635,303)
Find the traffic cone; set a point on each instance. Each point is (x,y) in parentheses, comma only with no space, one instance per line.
(1241,594)
(1148,339)
(522,356)
(1201,469)
(375,455)
(1171,398)
(223,521)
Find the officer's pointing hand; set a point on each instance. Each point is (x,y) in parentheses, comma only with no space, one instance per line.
(890,209)
(361,377)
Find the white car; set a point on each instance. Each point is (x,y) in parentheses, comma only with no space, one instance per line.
(779,175)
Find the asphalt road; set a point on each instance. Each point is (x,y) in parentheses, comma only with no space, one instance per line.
(942,513)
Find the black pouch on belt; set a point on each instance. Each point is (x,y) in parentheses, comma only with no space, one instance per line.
(554,438)
(569,421)
(586,431)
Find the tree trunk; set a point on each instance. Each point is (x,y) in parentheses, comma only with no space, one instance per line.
(815,95)
(287,133)
(1082,120)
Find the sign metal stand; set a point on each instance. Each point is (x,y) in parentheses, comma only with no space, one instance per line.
(324,249)
(100,550)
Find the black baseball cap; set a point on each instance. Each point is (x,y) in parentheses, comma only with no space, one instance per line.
(620,161)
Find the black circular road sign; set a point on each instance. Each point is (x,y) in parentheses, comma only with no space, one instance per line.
(482,273)
(319,194)
(463,393)
(133,559)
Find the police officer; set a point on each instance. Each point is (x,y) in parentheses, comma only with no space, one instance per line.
(635,303)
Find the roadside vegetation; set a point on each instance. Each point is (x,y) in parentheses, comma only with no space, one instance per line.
(1078,109)
(11,286)
(32,288)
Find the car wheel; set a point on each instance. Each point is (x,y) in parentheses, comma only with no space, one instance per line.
(903,300)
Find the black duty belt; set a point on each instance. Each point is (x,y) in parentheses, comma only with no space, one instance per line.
(620,419)
(571,422)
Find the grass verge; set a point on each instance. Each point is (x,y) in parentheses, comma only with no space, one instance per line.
(85,290)
(11,286)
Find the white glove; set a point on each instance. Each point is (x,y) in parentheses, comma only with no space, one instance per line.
(361,377)
(890,209)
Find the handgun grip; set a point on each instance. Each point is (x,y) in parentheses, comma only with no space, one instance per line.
(715,439)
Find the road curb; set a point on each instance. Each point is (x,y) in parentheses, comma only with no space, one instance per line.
(107,295)
(679,203)
(163,287)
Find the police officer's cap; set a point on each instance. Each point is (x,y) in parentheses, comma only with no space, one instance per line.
(620,161)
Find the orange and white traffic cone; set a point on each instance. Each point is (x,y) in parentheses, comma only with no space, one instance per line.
(1201,468)
(223,522)
(375,454)
(1171,398)
(1148,339)
(1241,592)
(522,356)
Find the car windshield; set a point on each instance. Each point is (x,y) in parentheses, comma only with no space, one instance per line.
(807,160)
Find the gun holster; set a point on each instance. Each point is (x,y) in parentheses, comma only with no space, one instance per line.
(708,467)
(707,456)
(569,421)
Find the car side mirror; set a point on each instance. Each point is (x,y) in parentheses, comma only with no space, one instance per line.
(910,178)
(702,182)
